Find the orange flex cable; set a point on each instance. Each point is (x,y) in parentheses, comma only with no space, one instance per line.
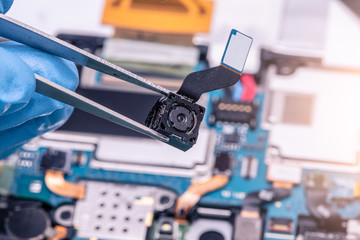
(287,185)
(60,233)
(172,16)
(193,194)
(56,183)
(250,214)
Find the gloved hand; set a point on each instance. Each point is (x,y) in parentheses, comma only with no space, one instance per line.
(25,114)
(5,5)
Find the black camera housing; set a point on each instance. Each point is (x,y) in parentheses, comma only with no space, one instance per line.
(175,116)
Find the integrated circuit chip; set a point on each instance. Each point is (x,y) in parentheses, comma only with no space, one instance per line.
(57,160)
(223,163)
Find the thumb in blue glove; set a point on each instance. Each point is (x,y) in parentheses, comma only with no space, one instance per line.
(5,5)
(25,114)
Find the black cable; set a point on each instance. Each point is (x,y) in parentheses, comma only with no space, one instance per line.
(323,211)
(207,80)
(254,200)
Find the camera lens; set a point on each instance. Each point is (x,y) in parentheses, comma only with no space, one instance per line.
(181,118)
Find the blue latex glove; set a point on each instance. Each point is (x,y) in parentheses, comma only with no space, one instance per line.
(25,114)
(5,5)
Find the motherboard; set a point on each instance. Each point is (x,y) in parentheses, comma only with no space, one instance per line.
(273,160)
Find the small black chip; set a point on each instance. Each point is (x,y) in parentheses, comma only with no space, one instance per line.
(55,160)
(223,163)
(232,138)
(229,111)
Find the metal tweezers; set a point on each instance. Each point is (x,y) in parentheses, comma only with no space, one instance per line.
(22,33)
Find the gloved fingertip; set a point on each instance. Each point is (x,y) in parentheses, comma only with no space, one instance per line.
(58,70)
(72,75)
(5,5)
(17,82)
(12,138)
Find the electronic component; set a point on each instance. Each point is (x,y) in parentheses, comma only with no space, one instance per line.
(247,228)
(254,200)
(203,229)
(64,215)
(283,173)
(117,206)
(318,229)
(224,163)
(166,63)
(316,191)
(229,111)
(322,210)
(110,210)
(79,158)
(120,211)
(27,223)
(298,105)
(56,159)
(166,229)
(232,138)
(248,222)
(206,212)
(283,225)
(249,167)
(176,116)
(225,75)
(164,199)
(305,224)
